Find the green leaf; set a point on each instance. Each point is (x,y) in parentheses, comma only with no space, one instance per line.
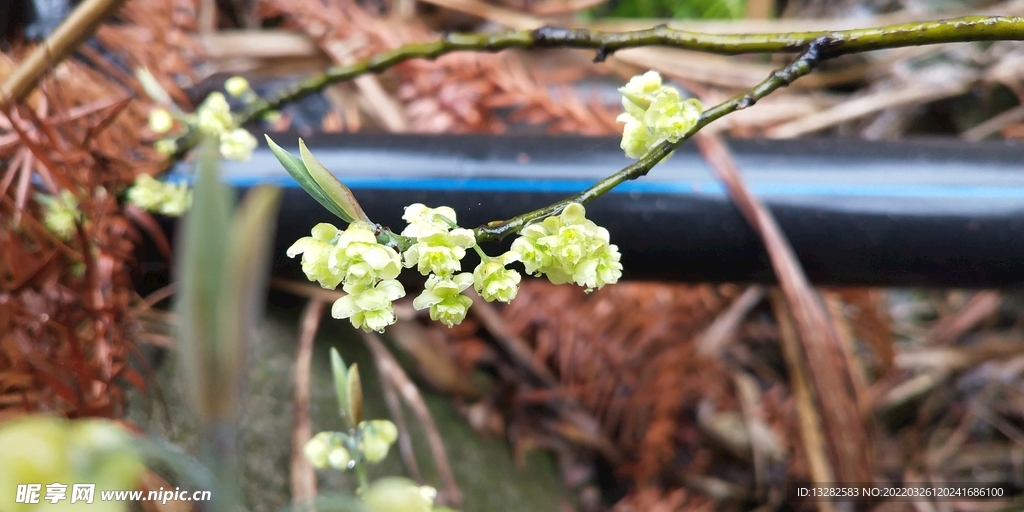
(340,382)
(332,188)
(298,171)
(355,395)
(199,266)
(244,279)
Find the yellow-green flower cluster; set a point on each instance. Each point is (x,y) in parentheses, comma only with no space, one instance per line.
(438,252)
(569,248)
(327,450)
(213,118)
(47,449)
(439,248)
(61,215)
(654,113)
(377,437)
(366,269)
(371,442)
(161,197)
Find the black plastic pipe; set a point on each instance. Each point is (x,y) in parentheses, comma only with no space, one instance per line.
(905,213)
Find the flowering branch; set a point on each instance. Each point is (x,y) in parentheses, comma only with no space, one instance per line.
(818,51)
(556,241)
(955,30)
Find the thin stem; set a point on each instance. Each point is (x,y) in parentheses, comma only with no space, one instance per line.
(817,51)
(955,30)
(361,476)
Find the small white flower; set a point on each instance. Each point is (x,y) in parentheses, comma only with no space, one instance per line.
(636,136)
(214,115)
(316,251)
(360,259)
(425,221)
(444,298)
(439,249)
(156,196)
(178,198)
(147,193)
(495,282)
(639,91)
(369,308)
(670,116)
(237,144)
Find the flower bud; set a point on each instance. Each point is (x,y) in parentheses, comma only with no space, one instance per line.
(395,494)
(383,429)
(339,458)
(236,86)
(318,448)
(375,449)
(160,121)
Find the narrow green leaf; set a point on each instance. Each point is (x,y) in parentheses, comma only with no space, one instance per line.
(355,395)
(244,282)
(332,188)
(340,382)
(298,171)
(198,269)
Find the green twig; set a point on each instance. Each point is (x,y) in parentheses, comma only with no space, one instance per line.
(956,30)
(815,47)
(363,481)
(818,51)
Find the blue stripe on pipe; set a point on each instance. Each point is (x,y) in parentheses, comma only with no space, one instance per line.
(684,188)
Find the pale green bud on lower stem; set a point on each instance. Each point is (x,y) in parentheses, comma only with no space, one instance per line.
(395,494)
(318,448)
(383,429)
(375,449)
(339,458)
